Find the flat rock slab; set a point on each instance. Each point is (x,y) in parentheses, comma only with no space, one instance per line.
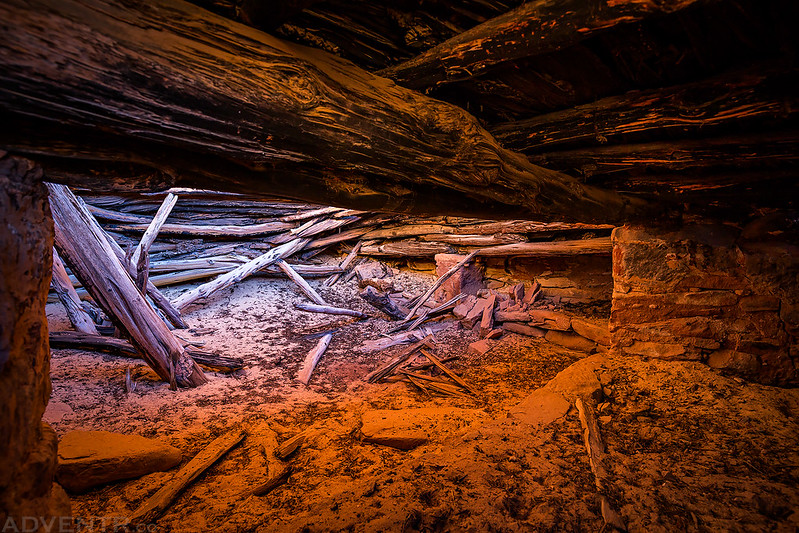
(90,458)
(579,379)
(406,429)
(569,340)
(540,408)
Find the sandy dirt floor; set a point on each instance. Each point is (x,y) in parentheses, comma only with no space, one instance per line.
(687,448)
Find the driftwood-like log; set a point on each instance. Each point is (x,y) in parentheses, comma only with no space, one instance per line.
(309,291)
(121,347)
(156,504)
(252,113)
(142,251)
(532,29)
(598,246)
(311,308)
(239,273)
(312,359)
(84,245)
(409,248)
(596,449)
(69,298)
(382,301)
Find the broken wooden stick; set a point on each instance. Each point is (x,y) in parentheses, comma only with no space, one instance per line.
(388,368)
(239,273)
(312,359)
(121,347)
(141,255)
(293,444)
(84,245)
(382,301)
(300,282)
(313,308)
(444,277)
(69,298)
(440,364)
(595,447)
(156,504)
(329,282)
(281,477)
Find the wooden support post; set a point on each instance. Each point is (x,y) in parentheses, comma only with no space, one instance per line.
(84,244)
(69,298)
(312,359)
(329,282)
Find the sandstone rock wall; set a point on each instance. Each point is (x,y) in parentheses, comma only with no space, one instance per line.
(27,446)
(712,293)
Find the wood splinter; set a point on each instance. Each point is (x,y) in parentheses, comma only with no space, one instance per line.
(281,477)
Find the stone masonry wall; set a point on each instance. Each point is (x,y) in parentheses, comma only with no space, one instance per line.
(711,293)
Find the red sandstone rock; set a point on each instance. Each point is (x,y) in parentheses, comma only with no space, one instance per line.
(540,408)
(524,329)
(592,329)
(570,340)
(90,458)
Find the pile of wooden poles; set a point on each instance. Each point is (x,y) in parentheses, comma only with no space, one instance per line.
(224,238)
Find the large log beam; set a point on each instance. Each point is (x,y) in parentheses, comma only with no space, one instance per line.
(128,87)
(535,28)
(727,102)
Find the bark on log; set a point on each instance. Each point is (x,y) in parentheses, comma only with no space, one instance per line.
(534,28)
(128,87)
(694,109)
(69,298)
(83,243)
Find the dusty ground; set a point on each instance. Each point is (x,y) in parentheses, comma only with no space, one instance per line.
(688,449)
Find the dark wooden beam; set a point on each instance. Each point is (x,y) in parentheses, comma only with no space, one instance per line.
(534,28)
(212,103)
(729,102)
